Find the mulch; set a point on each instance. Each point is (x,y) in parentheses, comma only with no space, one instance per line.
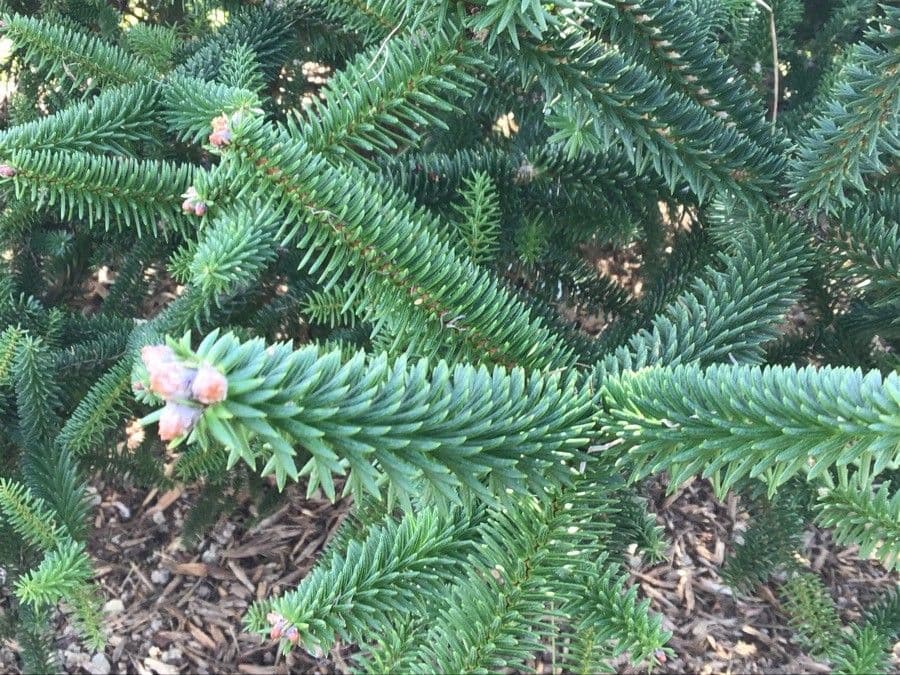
(171,608)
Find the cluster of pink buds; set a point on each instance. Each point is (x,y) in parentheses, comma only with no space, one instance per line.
(178,384)
(7,171)
(192,203)
(282,629)
(221,134)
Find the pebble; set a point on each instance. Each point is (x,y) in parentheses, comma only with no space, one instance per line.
(160,576)
(210,555)
(99,665)
(159,517)
(114,606)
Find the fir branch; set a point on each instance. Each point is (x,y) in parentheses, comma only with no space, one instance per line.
(395,563)
(69,54)
(732,309)
(396,245)
(363,113)
(470,423)
(862,515)
(143,194)
(859,126)
(110,123)
(769,423)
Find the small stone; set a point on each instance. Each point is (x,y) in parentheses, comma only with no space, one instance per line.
(114,606)
(159,517)
(99,665)
(210,555)
(160,576)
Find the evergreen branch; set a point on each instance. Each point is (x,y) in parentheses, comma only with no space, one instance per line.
(531,562)
(61,574)
(157,45)
(616,618)
(450,428)
(811,612)
(870,249)
(774,534)
(49,471)
(190,103)
(364,226)
(363,114)
(29,516)
(868,648)
(69,54)
(143,194)
(512,17)
(730,312)
(107,123)
(859,125)
(478,218)
(265,30)
(663,36)
(100,410)
(598,90)
(351,594)
(375,20)
(861,515)
(769,423)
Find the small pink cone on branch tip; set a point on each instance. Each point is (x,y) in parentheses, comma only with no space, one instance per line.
(200,209)
(221,134)
(209,386)
(176,420)
(6,171)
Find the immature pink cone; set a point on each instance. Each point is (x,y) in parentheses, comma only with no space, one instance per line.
(176,420)
(7,171)
(293,635)
(168,378)
(209,386)
(187,206)
(172,380)
(220,138)
(200,209)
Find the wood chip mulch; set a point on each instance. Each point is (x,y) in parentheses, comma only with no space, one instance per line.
(177,609)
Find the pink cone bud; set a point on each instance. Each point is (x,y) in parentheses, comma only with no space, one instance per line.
(220,138)
(172,381)
(293,635)
(187,206)
(209,386)
(168,378)
(220,135)
(7,171)
(200,209)
(176,420)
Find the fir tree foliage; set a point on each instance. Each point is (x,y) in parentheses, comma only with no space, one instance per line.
(382,217)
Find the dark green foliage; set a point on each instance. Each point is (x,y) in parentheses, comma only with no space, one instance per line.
(774,533)
(811,612)
(470,263)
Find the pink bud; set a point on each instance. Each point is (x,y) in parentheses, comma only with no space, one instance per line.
(187,205)
(172,381)
(7,171)
(200,209)
(293,635)
(220,138)
(176,420)
(209,386)
(278,629)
